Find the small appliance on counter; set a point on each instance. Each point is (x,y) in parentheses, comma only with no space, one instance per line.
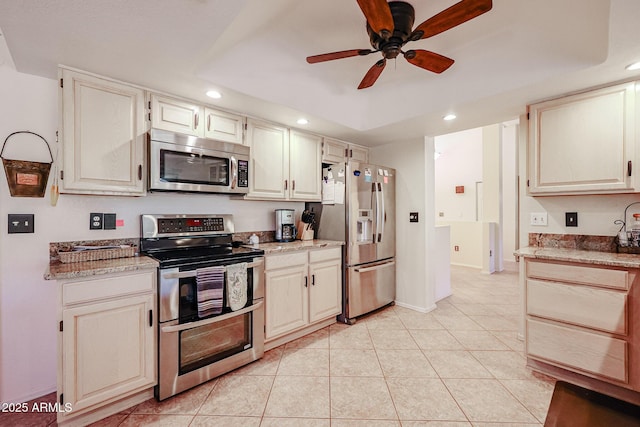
(285,225)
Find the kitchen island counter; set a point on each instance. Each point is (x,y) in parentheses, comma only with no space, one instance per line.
(296,245)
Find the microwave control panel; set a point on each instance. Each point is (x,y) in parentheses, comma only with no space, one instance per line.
(243,173)
(191,224)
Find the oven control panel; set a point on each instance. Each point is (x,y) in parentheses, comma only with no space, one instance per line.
(154,226)
(182,225)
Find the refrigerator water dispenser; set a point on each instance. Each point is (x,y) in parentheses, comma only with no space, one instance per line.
(364,226)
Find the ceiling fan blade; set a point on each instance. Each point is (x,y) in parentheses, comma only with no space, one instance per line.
(378,16)
(428,60)
(338,55)
(455,15)
(373,74)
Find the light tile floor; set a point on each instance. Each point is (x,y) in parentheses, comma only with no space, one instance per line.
(459,365)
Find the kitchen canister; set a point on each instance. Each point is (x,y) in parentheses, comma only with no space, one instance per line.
(26,178)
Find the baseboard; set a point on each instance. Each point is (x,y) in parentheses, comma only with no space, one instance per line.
(31,396)
(416,308)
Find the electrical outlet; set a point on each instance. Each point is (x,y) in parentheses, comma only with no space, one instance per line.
(539,218)
(413,216)
(95,221)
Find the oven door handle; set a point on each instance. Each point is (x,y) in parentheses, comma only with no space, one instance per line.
(192,273)
(191,325)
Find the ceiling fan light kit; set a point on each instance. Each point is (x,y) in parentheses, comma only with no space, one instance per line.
(389,26)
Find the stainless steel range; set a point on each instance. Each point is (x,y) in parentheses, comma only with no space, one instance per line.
(210,299)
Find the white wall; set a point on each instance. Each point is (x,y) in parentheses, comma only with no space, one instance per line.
(28,319)
(459,163)
(415,269)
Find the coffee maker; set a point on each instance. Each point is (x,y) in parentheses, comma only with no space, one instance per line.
(285,228)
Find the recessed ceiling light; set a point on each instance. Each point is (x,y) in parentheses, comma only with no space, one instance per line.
(449,117)
(214,94)
(633,67)
(302,121)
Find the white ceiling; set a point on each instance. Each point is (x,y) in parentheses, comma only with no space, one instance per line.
(254,52)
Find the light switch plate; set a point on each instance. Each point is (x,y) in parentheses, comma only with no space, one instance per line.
(20,223)
(571,219)
(539,218)
(109,221)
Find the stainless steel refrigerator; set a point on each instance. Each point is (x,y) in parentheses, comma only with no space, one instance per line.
(365,219)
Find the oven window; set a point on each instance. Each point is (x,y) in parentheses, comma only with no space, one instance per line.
(207,344)
(190,168)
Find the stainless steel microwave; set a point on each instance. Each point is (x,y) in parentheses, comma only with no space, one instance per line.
(180,162)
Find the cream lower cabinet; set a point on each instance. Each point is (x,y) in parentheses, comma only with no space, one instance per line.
(107,344)
(303,290)
(581,320)
(103,135)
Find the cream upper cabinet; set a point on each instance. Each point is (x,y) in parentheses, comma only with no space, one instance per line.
(305,166)
(107,341)
(190,118)
(335,151)
(284,165)
(103,134)
(176,115)
(223,126)
(269,163)
(585,143)
(358,153)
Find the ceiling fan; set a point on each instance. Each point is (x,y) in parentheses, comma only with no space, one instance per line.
(389,26)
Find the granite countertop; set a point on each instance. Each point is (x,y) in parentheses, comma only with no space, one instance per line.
(58,270)
(296,245)
(574,255)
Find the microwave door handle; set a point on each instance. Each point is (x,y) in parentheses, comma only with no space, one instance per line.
(196,324)
(234,172)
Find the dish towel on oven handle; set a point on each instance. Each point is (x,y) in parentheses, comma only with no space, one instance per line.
(237,285)
(210,286)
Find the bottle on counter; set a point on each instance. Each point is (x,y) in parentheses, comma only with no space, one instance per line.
(635,230)
(254,240)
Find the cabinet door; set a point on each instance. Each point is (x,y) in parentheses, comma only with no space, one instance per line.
(223,126)
(358,153)
(583,144)
(325,296)
(108,350)
(286,297)
(269,163)
(305,166)
(176,115)
(103,135)
(334,151)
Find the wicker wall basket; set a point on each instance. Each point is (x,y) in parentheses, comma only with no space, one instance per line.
(96,254)
(25,178)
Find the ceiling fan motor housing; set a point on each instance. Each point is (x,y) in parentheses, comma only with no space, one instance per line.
(403,17)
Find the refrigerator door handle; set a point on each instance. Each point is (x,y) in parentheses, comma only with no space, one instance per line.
(383,213)
(375,267)
(378,212)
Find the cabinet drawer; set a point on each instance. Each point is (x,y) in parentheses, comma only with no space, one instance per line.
(581,305)
(289,259)
(576,348)
(617,279)
(74,292)
(325,254)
